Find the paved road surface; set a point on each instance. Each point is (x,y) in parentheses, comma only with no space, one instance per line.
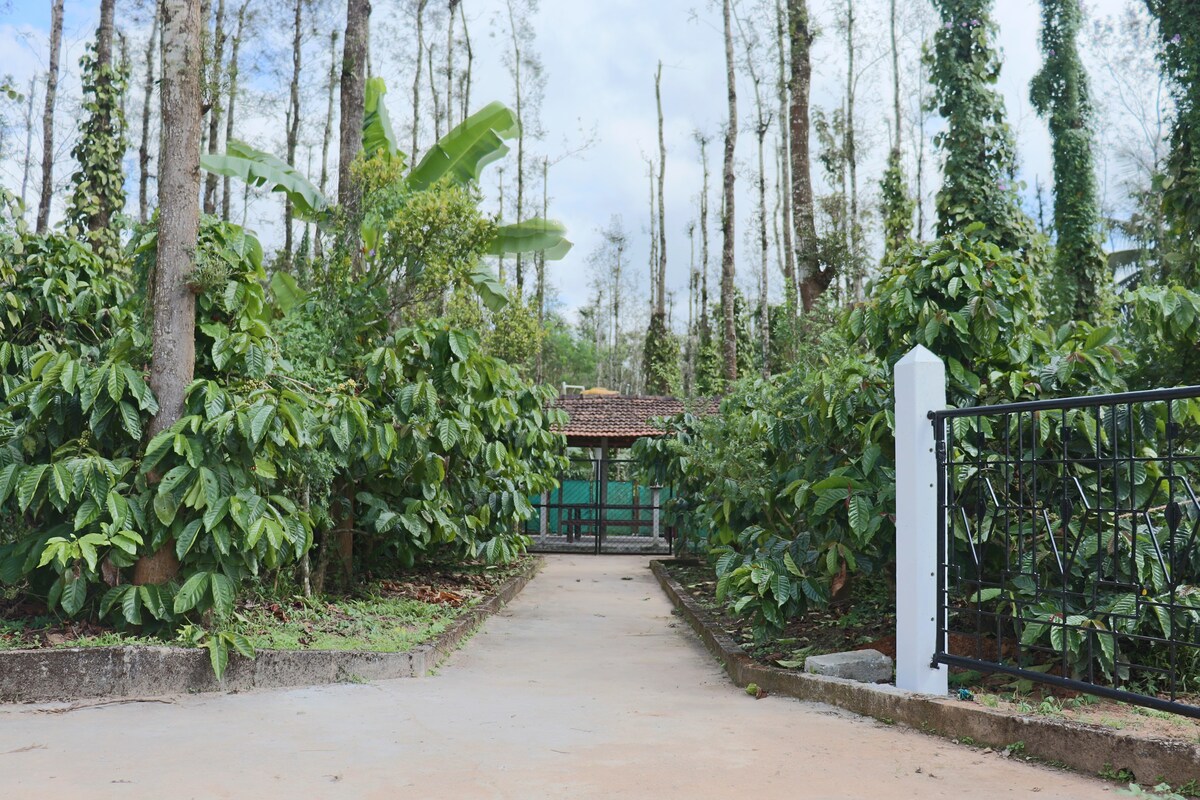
(585,687)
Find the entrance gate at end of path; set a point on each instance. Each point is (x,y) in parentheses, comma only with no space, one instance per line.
(601,508)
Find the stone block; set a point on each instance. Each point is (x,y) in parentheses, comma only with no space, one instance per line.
(866,666)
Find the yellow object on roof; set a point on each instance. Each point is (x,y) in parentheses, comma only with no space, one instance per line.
(599,390)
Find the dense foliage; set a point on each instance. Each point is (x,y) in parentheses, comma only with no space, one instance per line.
(1179,30)
(791,486)
(1060,94)
(979,171)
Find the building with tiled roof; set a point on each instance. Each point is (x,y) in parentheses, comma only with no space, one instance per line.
(616,421)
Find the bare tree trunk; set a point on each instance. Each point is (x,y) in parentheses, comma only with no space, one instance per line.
(703,140)
(729,343)
(433,95)
(540,261)
(327,138)
(144,148)
(661,288)
(214,115)
(653,263)
(466,85)
(813,281)
(293,130)
(500,215)
(518,90)
(416,89)
(354,76)
(452,7)
(28,163)
(895,77)
(56,29)
(231,105)
(788,256)
(173,353)
(855,284)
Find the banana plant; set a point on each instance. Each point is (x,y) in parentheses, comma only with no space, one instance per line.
(459,157)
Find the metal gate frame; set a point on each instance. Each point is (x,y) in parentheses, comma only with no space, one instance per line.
(587,527)
(1006,470)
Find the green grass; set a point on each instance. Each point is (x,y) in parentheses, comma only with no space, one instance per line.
(376,624)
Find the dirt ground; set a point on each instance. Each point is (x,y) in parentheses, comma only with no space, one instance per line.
(585,687)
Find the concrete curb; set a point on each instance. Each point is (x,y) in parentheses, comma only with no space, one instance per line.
(38,676)
(1081,747)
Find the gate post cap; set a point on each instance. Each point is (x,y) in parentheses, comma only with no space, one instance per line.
(919,355)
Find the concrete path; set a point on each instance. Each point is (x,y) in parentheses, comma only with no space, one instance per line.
(585,687)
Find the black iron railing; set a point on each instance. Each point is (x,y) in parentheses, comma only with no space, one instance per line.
(1068,543)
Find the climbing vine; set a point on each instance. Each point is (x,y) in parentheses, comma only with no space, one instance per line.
(1060,94)
(99,193)
(1179,30)
(896,205)
(660,355)
(978,145)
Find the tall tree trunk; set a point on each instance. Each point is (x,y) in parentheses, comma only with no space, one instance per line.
(705,331)
(452,6)
(433,94)
(327,137)
(729,342)
(653,263)
(898,119)
(416,87)
(353,94)
(788,256)
(231,104)
(540,262)
(661,288)
(173,354)
(56,29)
(813,281)
(293,130)
(27,165)
(518,90)
(147,101)
(214,114)
(855,283)
(466,83)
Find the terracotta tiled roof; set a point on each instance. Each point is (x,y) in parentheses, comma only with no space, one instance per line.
(619,418)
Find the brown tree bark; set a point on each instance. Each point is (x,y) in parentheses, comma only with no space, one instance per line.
(353,91)
(56,29)
(173,354)
(729,339)
(231,103)
(813,281)
(147,103)
(788,256)
(293,128)
(214,116)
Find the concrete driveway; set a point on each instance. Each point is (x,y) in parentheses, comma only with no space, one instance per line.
(585,687)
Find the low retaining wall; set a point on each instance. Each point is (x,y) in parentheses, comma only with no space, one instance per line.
(1084,748)
(35,676)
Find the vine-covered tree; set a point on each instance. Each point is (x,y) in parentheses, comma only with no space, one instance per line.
(979,173)
(1179,29)
(897,206)
(99,181)
(1060,94)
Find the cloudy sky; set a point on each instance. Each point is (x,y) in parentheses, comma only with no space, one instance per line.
(600,58)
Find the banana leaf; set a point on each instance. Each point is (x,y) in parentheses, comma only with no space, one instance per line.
(462,153)
(263,169)
(532,236)
(377,133)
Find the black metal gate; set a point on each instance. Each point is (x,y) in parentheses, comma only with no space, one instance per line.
(1068,544)
(600,507)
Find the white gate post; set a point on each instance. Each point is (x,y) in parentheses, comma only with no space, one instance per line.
(655,496)
(920,388)
(543,527)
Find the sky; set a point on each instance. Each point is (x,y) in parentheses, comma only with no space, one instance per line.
(600,58)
